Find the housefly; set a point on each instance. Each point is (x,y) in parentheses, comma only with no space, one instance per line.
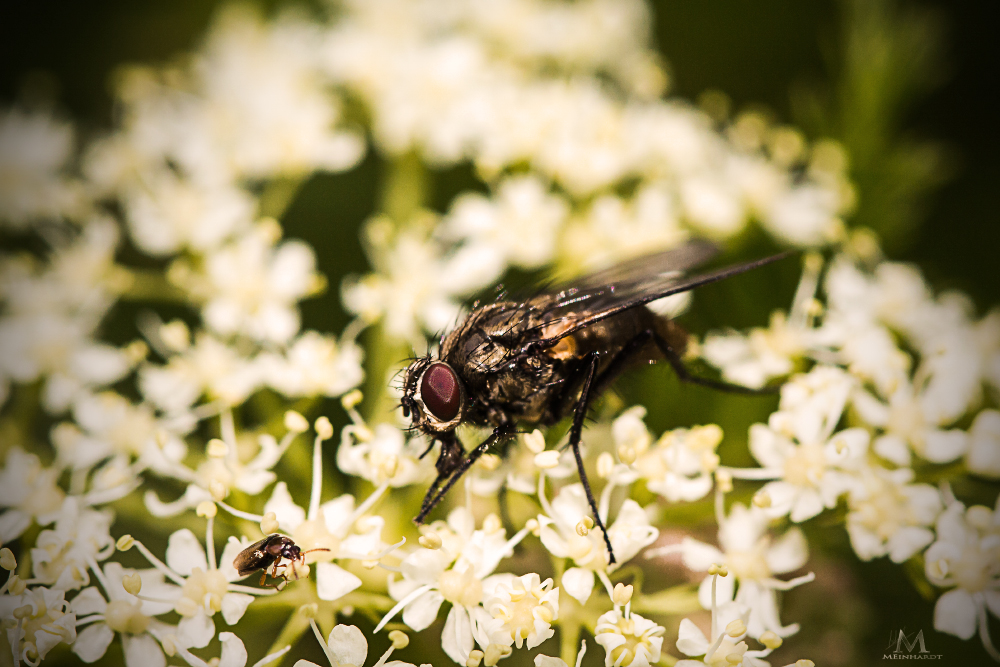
(515,363)
(267,553)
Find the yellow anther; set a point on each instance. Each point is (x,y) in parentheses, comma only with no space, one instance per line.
(175,335)
(736,628)
(295,422)
(605,465)
(390,466)
(217,449)
(132,583)
(7,560)
(533,526)
(723,571)
(309,610)
(770,640)
(734,658)
(762,499)
(475,658)
(124,543)
(534,441)
(369,564)
(492,523)
(622,594)
(430,541)
(804,663)
(351,399)
(269,524)
(581,529)
(399,639)
(626,454)
(21,613)
(207,509)
(324,429)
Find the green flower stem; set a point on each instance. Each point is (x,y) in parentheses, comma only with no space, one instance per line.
(678,600)
(150,285)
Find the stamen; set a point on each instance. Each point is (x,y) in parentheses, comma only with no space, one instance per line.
(319,637)
(399,605)
(240,514)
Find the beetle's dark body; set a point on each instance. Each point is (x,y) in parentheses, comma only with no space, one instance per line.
(536,361)
(267,553)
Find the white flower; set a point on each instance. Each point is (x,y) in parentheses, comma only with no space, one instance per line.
(457,572)
(48,621)
(313,365)
(680,465)
(966,559)
(629,640)
(347,647)
(121,612)
(983,456)
(384,455)
(34,150)
(811,465)
(753,558)
(522,611)
(206,589)
(61,557)
(106,424)
(630,532)
(519,225)
(28,492)
(888,515)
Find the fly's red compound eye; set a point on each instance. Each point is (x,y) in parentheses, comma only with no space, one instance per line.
(441,392)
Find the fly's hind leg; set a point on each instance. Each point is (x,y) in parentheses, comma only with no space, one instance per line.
(575,433)
(684,375)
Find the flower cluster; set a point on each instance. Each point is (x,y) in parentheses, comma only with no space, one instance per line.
(189,429)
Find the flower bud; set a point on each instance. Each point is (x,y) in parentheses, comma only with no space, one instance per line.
(533,526)
(430,541)
(351,399)
(124,543)
(7,560)
(218,490)
(217,449)
(269,524)
(309,610)
(207,509)
(295,422)
(724,480)
(324,429)
(979,516)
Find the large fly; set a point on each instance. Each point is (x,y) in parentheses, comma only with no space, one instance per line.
(536,361)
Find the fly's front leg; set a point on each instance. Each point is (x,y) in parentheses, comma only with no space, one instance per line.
(449,459)
(575,434)
(431,499)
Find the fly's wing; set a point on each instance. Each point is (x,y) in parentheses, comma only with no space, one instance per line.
(634,283)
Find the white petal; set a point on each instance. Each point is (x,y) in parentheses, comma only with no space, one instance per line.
(184,553)
(12,524)
(806,506)
(305,663)
(289,514)
(789,552)
(944,446)
(88,601)
(348,644)
(333,581)
(423,611)
(993,602)
(234,653)
(456,638)
(196,631)
(143,651)
(233,548)
(233,607)
(546,661)
(93,641)
(955,613)
(908,541)
(893,449)
(690,640)
(698,555)
(578,583)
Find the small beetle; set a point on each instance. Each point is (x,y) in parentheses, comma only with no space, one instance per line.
(267,553)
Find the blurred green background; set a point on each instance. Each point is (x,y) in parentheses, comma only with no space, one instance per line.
(908,87)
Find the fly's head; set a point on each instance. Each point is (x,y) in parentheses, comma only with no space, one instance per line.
(433,396)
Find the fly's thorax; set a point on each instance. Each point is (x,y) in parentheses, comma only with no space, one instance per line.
(433,396)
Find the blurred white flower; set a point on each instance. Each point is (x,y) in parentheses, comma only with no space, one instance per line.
(889,515)
(313,365)
(61,557)
(28,493)
(629,640)
(34,151)
(47,622)
(966,559)
(983,456)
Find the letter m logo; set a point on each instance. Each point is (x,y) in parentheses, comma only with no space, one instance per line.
(902,641)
